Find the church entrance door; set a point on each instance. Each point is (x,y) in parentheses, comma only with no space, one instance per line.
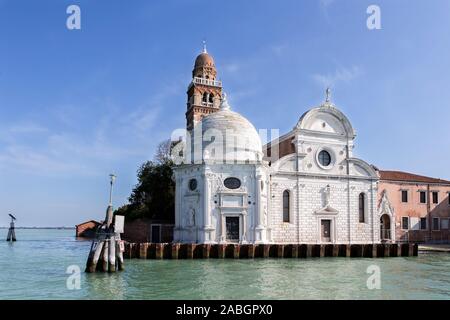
(232,228)
(326,230)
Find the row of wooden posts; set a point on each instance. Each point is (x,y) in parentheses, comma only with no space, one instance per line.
(236,251)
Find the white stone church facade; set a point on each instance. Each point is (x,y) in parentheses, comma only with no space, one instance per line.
(306,187)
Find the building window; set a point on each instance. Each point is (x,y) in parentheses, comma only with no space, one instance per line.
(324,158)
(192,184)
(404,196)
(232,183)
(405,223)
(444,224)
(362,208)
(211,98)
(286,208)
(435,197)
(435,223)
(423,223)
(423,197)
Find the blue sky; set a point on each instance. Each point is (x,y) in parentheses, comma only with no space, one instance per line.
(77,105)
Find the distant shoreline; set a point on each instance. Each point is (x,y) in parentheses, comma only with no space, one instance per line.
(56,228)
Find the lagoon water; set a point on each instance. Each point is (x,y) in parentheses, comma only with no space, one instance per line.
(35,268)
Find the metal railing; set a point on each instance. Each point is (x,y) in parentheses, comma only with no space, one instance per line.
(434,238)
(208,82)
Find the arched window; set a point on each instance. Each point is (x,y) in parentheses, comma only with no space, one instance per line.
(211,98)
(362,208)
(286,209)
(205,97)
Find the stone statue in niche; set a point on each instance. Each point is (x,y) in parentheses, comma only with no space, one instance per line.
(190,217)
(386,204)
(327,195)
(265,214)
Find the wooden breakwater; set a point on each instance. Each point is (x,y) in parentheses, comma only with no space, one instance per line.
(250,251)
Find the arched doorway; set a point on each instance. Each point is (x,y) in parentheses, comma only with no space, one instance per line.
(385,228)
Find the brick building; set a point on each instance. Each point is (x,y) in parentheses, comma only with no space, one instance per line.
(148,230)
(87,229)
(413,207)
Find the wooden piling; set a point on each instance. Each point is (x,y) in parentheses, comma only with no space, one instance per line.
(387,250)
(251,251)
(213,252)
(94,256)
(206,248)
(374,251)
(329,248)
(335,251)
(101,257)
(143,248)
(159,251)
(236,251)
(280,251)
(107,247)
(120,249)
(112,255)
(348,250)
(393,250)
(221,248)
(411,250)
(302,251)
(175,249)
(11,231)
(264,250)
(309,251)
(316,251)
(190,251)
(322,251)
(105,256)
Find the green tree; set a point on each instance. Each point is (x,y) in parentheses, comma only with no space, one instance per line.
(154,194)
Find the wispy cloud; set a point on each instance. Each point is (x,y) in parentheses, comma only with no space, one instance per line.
(279,49)
(232,68)
(339,75)
(325,6)
(63,147)
(326,3)
(27,128)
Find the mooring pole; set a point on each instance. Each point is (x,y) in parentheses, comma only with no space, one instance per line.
(107,247)
(11,232)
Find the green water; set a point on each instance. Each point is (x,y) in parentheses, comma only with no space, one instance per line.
(35,268)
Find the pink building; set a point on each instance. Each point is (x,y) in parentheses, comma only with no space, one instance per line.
(413,207)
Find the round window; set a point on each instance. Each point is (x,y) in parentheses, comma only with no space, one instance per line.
(324,158)
(192,184)
(232,183)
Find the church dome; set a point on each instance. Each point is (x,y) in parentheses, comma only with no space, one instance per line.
(227,135)
(204,60)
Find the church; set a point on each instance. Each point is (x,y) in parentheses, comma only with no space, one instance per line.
(304,187)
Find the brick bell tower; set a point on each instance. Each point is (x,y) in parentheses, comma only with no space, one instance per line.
(204,92)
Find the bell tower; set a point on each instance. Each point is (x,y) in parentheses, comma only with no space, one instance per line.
(204,92)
